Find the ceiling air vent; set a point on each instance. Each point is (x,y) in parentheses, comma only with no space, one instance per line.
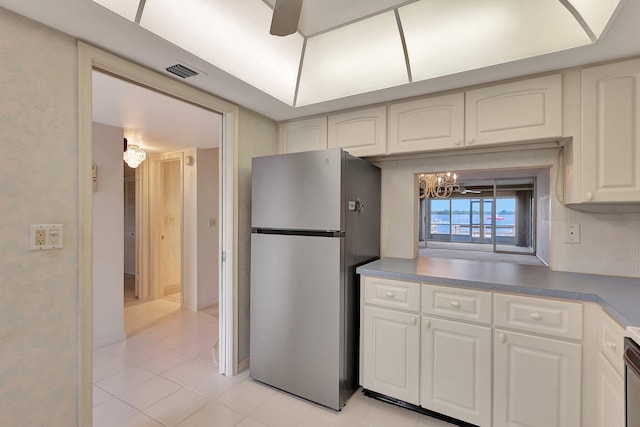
(181,71)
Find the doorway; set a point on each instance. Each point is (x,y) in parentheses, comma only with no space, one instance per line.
(168,234)
(89,59)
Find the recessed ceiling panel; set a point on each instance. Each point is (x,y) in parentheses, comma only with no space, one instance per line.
(450,36)
(360,57)
(596,13)
(321,15)
(232,35)
(126,8)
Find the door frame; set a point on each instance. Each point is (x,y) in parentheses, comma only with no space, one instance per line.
(90,58)
(157,190)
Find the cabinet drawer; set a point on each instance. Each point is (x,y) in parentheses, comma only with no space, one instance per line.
(551,317)
(392,293)
(611,341)
(456,303)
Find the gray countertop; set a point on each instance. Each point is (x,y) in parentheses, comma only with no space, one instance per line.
(619,296)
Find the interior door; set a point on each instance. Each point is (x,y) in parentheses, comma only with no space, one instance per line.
(169,225)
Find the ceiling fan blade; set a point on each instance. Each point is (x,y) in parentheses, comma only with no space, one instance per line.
(466,190)
(286,14)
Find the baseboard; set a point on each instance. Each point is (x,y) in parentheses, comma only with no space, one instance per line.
(111,339)
(243,365)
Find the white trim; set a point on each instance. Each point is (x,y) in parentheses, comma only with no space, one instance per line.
(111,339)
(90,58)
(227,352)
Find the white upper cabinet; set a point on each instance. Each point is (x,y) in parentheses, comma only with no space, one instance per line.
(427,124)
(303,135)
(361,133)
(611,133)
(518,111)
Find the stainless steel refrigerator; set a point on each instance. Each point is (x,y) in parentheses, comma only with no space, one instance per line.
(315,217)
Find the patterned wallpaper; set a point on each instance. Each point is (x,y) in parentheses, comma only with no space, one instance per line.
(38,172)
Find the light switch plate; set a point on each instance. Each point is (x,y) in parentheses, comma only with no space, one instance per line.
(46,236)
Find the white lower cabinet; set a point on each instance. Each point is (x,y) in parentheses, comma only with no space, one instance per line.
(610,393)
(456,370)
(391,347)
(537,381)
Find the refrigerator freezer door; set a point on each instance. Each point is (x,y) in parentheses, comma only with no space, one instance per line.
(296,339)
(298,191)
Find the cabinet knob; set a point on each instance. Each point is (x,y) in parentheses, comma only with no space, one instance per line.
(470,141)
(502,337)
(610,345)
(535,316)
(427,323)
(412,321)
(389,294)
(589,196)
(455,304)
(457,142)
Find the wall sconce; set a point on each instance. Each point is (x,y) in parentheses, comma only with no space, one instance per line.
(133,154)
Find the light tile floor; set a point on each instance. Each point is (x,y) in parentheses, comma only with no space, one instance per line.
(164,375)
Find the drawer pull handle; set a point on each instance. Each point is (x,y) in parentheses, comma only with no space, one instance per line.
(535,316)
(455,304)
(502,337)
(427,323)
(611,345)
(389,294)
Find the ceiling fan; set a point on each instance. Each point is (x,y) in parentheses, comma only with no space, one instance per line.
(466,190)
(286,14)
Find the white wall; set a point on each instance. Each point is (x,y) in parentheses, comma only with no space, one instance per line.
(190,235)
(200,242)
(39,176)
(610,244)
(108,236)
(257,136)
(208,234)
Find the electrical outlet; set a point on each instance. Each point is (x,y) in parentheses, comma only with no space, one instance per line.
(41,237)
(45,236)
(572,233)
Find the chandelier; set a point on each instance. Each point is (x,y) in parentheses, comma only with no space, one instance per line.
(133,154)
(439,185)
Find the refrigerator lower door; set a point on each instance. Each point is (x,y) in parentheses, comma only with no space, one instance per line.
(296,315)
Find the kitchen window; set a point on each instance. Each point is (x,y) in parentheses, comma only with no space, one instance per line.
(487,216)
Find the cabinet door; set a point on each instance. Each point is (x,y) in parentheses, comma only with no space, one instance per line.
(537,381)
(610,395)
(524,110)
(303,135)
(456,370)
(360,133)
(427,124)
(391,349)
(611,132)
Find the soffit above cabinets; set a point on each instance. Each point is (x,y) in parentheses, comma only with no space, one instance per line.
(344,50)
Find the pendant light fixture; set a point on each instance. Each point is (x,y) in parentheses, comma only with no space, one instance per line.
(133,155)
